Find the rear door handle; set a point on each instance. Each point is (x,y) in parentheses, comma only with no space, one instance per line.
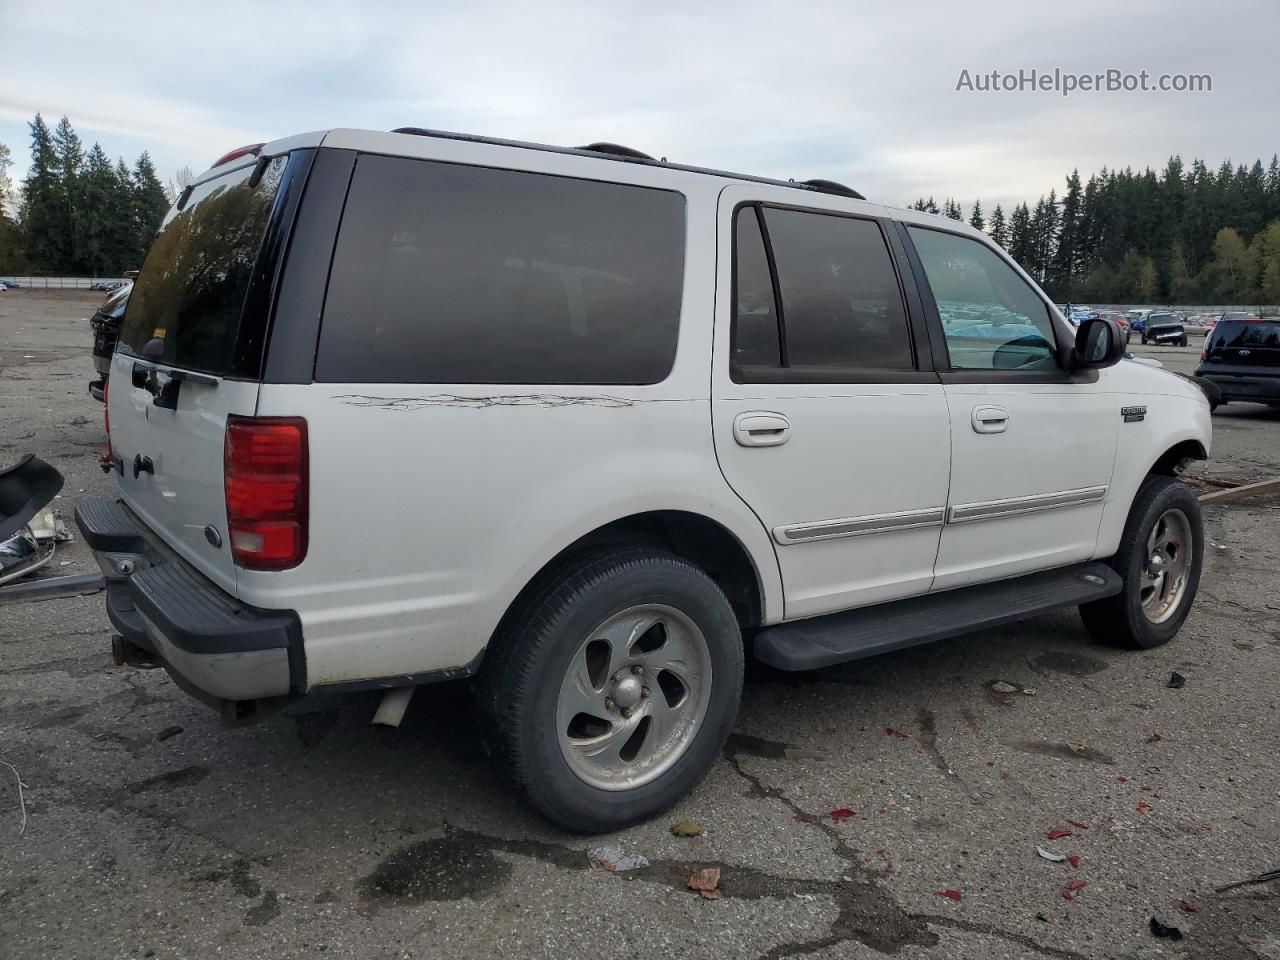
(990,419)
(760,428)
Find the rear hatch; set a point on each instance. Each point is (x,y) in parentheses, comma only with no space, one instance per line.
(1244,347)
(190,354)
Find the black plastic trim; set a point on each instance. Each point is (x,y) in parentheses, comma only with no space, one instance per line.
(109,527)
(304,278)
(867,631)
(25,489)
(404,679)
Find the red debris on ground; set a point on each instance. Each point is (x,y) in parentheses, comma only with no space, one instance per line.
(1155,737)
(1068,895)
(1189,907)
(1075,885)
(949,894)
(1078,826)
(1058,833)
(1073,860)
(1144,807)
(840,813)
(1122,779)
(889,731)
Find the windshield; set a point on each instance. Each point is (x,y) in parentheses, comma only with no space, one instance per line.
(191,291)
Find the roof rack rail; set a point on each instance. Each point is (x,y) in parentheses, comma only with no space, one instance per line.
(616,150)
(831,186)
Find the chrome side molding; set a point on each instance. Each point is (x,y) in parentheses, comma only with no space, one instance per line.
(990,509)
(858,526)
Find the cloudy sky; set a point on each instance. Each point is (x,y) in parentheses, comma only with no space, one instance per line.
(864,93)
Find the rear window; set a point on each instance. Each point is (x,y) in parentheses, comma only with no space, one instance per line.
(1233,333)
(446,273)
(191,291)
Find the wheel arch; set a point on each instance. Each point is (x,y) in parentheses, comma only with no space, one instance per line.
(1173,460)
(706,542)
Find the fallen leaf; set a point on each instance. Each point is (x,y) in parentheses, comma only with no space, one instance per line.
(1122,779)
(1068,895)
(1057,833)
(687,828)
(1189,907)
(1078,826)
(1144,807)
(949,894)
(706,880)
(1073,860)
(841,813)
(1052,857)
(889,731)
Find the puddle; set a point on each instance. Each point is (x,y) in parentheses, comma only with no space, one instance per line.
(1072,664)
(182,777)
(448,868)
(740,743)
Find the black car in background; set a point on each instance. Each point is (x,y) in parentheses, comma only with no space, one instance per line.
(1166,328)
(1242,359)
(106,322)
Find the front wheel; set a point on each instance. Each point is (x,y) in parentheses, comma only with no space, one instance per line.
(1160,555)
(610,688)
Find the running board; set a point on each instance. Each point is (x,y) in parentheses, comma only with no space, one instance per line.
(867,631)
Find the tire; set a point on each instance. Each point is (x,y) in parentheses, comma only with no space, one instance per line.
(550,656)
(1123,620)
(1182,342)
(1128,336)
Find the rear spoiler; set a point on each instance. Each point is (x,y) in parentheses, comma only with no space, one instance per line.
(26,488)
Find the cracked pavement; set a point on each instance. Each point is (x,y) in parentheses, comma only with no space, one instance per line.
(153,832)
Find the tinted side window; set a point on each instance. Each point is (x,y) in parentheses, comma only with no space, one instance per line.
(452,274)
(991,318)
(755,319)
(841,304)
(191,291)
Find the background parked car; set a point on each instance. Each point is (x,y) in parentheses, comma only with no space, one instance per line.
(1242,359)
(1165,328)
(106,322)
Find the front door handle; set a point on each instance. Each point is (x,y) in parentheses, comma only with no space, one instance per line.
(760,428)
(990,419)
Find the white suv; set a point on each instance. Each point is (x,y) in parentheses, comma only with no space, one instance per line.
(592,428)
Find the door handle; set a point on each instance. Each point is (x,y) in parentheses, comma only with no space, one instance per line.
(760,429)
(990,419)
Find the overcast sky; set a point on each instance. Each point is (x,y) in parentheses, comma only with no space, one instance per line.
(864,93)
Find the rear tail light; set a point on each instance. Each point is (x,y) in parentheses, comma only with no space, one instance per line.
(264,468)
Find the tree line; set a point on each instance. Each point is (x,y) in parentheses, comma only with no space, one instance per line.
(1184,235)
(77,213)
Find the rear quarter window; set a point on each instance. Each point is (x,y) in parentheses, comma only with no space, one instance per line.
(446,273)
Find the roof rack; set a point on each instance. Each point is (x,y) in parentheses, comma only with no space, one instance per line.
(831,186)
(615,151)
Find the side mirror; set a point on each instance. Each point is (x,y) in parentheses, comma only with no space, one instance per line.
(1098,344)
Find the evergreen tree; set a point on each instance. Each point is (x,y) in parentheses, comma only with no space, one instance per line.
(150,202)
(70,154)
(1065,268)
(952,210)
(975,219)
(126,243)
(999,229)
(1020,246)
(11,256)
(1269,264)
(99,235)
(41,212)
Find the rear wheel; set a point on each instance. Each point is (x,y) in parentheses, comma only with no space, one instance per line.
(611,687)
(1182,341)
(1160,556)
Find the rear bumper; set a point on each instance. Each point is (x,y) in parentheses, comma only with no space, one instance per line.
(1255,389)
(217,649)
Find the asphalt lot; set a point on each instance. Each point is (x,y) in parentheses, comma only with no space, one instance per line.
(153,832)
